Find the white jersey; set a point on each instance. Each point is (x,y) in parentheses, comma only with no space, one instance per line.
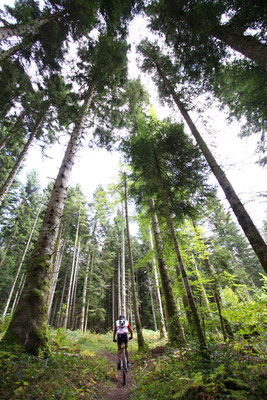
(122,329)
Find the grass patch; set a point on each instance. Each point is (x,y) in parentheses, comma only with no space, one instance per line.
(73,371)
(237,372)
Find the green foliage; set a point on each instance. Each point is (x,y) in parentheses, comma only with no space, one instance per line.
(69,373)
(172,374)
(241,88)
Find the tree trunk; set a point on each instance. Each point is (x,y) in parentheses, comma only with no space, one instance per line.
(19,29)
(21,262)
(113,301)
(163,332)
(85,290)
(88,295)
(152,302)
(74,292)
(247,45)
(18,293)
(84,293)
(140,338)
(60,246)
(123,287)
(72,275)
(13,173)
(119,285)
(28,325)
(61,317)
(239,210)
(174,328)
(217,298)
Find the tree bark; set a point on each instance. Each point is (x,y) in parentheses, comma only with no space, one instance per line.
(158,295)
(28,325)
(217,298)
(140,338)
(152,302)
(174,328)
(85,290)
(74,291)
(123,287)
(13,173)
(85,283)
(72,275)
(21,262)
(247,45)
(18,293)
(250,230)
(60,246)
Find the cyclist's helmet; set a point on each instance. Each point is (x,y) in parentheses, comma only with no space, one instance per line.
(121,317)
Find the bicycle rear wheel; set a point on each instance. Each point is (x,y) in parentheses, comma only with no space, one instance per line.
(124,368)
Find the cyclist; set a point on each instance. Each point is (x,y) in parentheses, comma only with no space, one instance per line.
(121,328)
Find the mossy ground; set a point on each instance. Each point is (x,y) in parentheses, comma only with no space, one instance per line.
(76,369)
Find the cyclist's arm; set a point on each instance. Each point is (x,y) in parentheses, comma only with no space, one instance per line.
(114,332)
(130,330)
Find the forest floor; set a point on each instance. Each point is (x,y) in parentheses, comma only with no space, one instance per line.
(83,366)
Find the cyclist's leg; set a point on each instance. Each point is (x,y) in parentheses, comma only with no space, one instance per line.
(127,349)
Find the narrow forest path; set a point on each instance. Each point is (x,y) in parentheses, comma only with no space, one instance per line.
(119,392)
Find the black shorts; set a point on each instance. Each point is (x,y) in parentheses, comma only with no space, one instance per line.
(123,338)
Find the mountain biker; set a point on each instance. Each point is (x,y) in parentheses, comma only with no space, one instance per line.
(121,328)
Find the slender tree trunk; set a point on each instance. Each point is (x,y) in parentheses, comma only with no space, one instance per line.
(113,301)
(174,328)
(56,269)
(85,283)
(12,131)
(140,338)
(119,286)
(75,284)
(88,295)
(158,295)
(152,302)
(123,287)
(13,173)
(21,262)
(18,293)
(217,298)
(18,29)
(72,275)
(28,325)
(85,289)
(239,210)
(187,287)
(247,45)
(61,317)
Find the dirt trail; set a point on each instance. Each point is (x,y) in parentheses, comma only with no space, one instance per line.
(119,392)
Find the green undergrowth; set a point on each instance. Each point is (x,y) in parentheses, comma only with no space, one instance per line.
(237,371)
(74,369)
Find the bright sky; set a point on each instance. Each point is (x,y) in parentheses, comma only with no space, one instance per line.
(236,156)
